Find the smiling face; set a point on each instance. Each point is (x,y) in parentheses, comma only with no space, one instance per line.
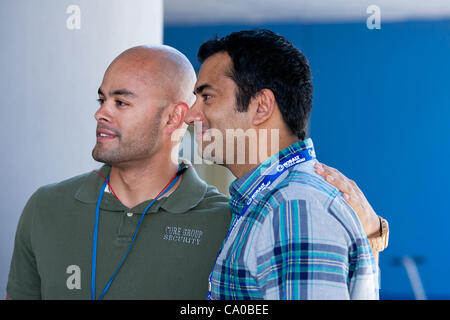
(129,117)
(215,105)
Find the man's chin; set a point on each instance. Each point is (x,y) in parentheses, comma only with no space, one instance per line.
(101,160)
(101,157)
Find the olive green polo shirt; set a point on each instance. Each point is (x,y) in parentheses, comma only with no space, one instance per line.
(171,258)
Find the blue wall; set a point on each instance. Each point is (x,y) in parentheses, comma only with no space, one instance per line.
(381,116)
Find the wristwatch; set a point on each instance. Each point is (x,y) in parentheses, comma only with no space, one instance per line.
(380,243)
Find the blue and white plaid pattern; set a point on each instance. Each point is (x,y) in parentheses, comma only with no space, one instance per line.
(298,240)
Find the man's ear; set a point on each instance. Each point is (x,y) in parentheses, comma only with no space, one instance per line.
(262,106)
(175,119)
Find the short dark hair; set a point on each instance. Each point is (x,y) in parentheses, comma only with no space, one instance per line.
(262,59)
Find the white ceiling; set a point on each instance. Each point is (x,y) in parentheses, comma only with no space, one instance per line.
(197,12)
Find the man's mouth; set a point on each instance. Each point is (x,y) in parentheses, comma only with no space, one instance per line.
(105,135)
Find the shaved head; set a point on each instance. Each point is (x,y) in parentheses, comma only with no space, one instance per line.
(163,67)
(143,98)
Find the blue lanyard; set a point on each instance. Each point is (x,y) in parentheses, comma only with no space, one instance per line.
(269,176)
(95,238)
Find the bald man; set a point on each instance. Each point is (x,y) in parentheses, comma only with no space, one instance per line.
(141,227)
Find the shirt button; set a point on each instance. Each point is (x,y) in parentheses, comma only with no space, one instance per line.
(129,214)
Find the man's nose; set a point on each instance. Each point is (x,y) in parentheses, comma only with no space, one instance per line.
(194,114)
(104,113)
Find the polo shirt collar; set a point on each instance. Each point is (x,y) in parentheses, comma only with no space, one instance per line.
(90,188)
(186,196)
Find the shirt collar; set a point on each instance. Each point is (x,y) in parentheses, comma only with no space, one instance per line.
(241,189)
(186,196)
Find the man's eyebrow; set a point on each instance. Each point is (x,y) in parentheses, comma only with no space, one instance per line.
(123,92)
(205,86)
(119,92)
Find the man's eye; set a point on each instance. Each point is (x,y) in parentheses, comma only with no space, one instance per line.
(100,101)
(206,97)
(121,103)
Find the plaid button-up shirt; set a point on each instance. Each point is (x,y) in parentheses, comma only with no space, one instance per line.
(299,239)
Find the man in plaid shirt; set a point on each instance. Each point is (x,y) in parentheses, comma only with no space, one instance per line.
(300,240)
(292,235)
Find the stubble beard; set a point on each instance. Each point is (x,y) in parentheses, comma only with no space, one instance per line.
(132,149)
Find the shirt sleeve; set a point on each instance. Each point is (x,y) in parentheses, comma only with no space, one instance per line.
(295,261)
(24,281)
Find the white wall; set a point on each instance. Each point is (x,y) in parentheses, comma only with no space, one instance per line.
(49,76)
